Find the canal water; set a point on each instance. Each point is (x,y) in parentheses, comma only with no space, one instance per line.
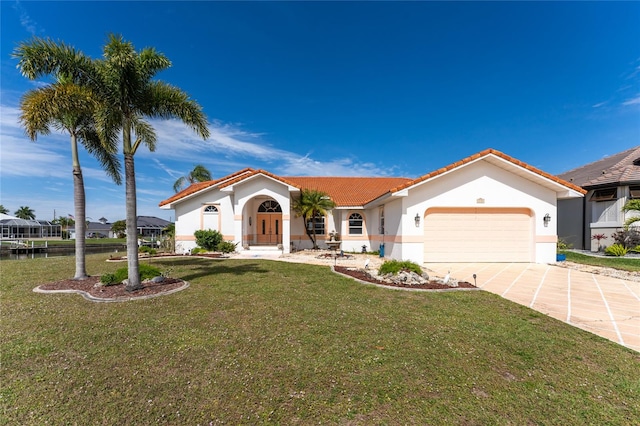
(6,255)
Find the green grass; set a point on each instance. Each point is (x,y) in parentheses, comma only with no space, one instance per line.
(622,263)
(89,241)
(264,342)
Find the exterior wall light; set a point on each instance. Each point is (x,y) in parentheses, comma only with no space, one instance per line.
(417,219)
(546,219)
(249,220)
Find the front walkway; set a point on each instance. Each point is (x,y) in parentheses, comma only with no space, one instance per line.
(606,306)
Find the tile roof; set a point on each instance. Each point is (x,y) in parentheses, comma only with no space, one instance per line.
(614,169)
(358,191)
(349,191)
(486,153)
(199,186)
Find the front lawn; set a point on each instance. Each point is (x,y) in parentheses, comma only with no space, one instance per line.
(256,341)
(622,263)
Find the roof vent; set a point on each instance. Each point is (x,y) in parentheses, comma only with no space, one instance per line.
(636,162)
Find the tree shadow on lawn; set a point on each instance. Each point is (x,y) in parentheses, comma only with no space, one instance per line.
(199,268)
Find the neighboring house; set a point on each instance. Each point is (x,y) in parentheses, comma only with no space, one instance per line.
(488,207)
(609,183)
(150,227)
(13,228)
(100,229)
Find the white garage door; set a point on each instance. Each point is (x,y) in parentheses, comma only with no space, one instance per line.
(478,235)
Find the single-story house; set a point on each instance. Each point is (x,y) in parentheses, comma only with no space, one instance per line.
(488,207)
(13,228)
(609,183)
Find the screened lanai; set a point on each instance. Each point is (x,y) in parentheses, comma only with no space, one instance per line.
(15,229)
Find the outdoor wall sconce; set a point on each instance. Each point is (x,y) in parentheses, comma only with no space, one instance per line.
(546,219)
(417,219)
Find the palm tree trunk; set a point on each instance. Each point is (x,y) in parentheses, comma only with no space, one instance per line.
(131,220)
(79,211)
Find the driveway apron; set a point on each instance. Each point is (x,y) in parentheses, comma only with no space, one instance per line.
(606,306)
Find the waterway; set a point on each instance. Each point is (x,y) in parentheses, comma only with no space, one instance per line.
(57,252)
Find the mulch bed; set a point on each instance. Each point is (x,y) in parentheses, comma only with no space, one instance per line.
(364,276)
(93,287)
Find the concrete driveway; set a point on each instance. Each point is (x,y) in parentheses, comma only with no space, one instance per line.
(606,306)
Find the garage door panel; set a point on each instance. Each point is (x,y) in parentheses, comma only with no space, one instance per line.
(474,235)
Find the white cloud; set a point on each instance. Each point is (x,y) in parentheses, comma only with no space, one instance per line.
(632,101)
(25,20)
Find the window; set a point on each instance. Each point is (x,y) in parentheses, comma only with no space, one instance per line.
(634,192)
(381,221)
(355,224)
(211,209)
(607,194)
(606,211)
(270,206)
(318,223)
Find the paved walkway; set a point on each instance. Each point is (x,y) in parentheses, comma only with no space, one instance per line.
(608,307)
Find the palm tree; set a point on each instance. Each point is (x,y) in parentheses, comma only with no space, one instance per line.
(3,209)
(199,174)
(312,205)
(132,95)
(25,213)
(66,105)
(631,205)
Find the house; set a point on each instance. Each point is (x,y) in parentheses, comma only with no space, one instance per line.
(609,183)
(150,227)
(13,228)
(488,207)
(100,229)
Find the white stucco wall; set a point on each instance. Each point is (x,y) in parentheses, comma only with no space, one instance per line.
(480,184)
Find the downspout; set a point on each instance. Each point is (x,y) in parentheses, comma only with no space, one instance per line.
(584,219)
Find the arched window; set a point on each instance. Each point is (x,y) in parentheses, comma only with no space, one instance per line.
(355,224)
(211,209)
(270,206)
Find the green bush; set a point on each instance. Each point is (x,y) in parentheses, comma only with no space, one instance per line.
(616,250)
(198,250)
(636,249)
(563,245)
(395,266)
(227,247)
(147,249)
(146,273)
(208,239)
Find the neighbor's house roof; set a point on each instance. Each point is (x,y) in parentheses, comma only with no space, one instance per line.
(151,222)
(359,191)
(616,169)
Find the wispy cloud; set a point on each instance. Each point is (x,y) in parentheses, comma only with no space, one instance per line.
(633,101)
(25,20)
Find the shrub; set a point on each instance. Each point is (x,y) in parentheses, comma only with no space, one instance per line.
(146,273)
(627,237)
(147,249)
(636,249)
(227,247)
(563,245)
(395,266)
(198,250)
(616,250)
(208,239)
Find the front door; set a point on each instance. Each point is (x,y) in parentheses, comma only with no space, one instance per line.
(269,228)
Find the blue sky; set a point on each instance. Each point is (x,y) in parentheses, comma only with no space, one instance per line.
(339,88)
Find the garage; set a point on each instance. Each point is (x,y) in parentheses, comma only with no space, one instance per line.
(478,235)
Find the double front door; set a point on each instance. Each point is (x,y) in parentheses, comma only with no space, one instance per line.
(269,228)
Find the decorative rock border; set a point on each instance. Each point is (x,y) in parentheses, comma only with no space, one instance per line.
(91,298)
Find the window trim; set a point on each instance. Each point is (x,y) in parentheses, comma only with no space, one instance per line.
(207,210)
(634,192)
(353,228)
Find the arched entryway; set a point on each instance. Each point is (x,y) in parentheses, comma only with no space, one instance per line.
(269,223)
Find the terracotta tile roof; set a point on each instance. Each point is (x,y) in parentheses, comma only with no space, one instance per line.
(349,191)
(615,169)
(358,191)
(199,186)
(485,153)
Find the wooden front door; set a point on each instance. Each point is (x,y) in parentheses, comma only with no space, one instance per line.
(269,228)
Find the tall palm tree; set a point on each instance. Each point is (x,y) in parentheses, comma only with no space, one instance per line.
(126,80)
(312,205)
(631,205)
(3,209)
(68,104)
(25,213)
(199,174)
